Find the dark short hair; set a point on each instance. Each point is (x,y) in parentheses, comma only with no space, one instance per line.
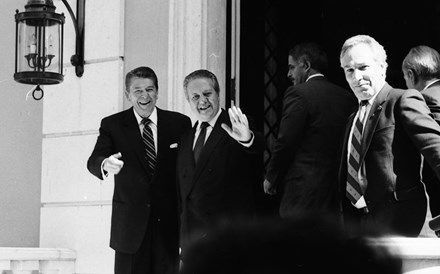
(201,73)
(141,72)
(311,52)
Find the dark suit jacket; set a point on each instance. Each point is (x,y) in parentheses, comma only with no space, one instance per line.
(398,129)
(218,187)
(139,194)
(432,183)
(304,162)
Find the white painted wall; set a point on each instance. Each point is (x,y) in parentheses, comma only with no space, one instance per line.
(20,144)
(76,206)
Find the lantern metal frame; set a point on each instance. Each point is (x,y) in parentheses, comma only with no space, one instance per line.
(41,15)
(77,59)
(41,21)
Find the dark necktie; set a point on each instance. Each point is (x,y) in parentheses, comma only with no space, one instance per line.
(354,190)
(147,137)
(200,141)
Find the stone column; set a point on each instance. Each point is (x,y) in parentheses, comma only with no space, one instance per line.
(197,39)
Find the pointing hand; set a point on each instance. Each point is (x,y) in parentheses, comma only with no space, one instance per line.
(113,164)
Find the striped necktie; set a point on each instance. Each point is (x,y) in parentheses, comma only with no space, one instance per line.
(147,137)
(353,188)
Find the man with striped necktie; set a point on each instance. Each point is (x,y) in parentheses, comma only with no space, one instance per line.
(138,146)
(381,184)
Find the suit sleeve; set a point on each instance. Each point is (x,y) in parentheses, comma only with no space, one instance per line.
(292,125)
(421,127)
(103,149)
(434,106)
(258,142)
(186,125)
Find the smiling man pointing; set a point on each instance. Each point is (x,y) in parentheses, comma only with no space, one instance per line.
(138,147)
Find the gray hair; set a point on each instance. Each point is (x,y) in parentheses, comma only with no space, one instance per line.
(201,73)
(423,61)
(378,50)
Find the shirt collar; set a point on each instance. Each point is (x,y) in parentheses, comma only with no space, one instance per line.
(153,116)
(314,75)
(430,84)
(371,100)
(213,120)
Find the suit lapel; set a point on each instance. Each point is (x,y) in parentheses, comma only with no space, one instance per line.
(187,160)
(216,135)
(373,119)
(163,131)
(348,127)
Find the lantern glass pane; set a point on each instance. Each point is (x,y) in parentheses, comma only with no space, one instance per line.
(25,32)
(53,46)
(39,46)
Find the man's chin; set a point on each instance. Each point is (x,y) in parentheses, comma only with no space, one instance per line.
(204,117)
(144,111)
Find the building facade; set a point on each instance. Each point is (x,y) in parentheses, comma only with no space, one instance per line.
(48,198)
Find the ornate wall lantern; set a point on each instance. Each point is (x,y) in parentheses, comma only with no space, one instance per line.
(39,44)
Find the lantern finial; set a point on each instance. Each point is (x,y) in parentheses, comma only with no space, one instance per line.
(35,5)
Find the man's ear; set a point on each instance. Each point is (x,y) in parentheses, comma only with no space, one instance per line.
(307,65)
(126,93)
(412,76)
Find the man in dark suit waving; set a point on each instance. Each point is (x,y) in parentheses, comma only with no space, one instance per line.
(214,181)
(139,147)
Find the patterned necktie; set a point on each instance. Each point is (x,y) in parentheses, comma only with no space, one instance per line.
(200,141)
(147,137)
(353,189)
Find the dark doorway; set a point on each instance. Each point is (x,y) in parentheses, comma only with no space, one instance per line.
(269,28)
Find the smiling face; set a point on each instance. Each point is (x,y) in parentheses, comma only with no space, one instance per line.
(364,74)
(203,99)
(142,94)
